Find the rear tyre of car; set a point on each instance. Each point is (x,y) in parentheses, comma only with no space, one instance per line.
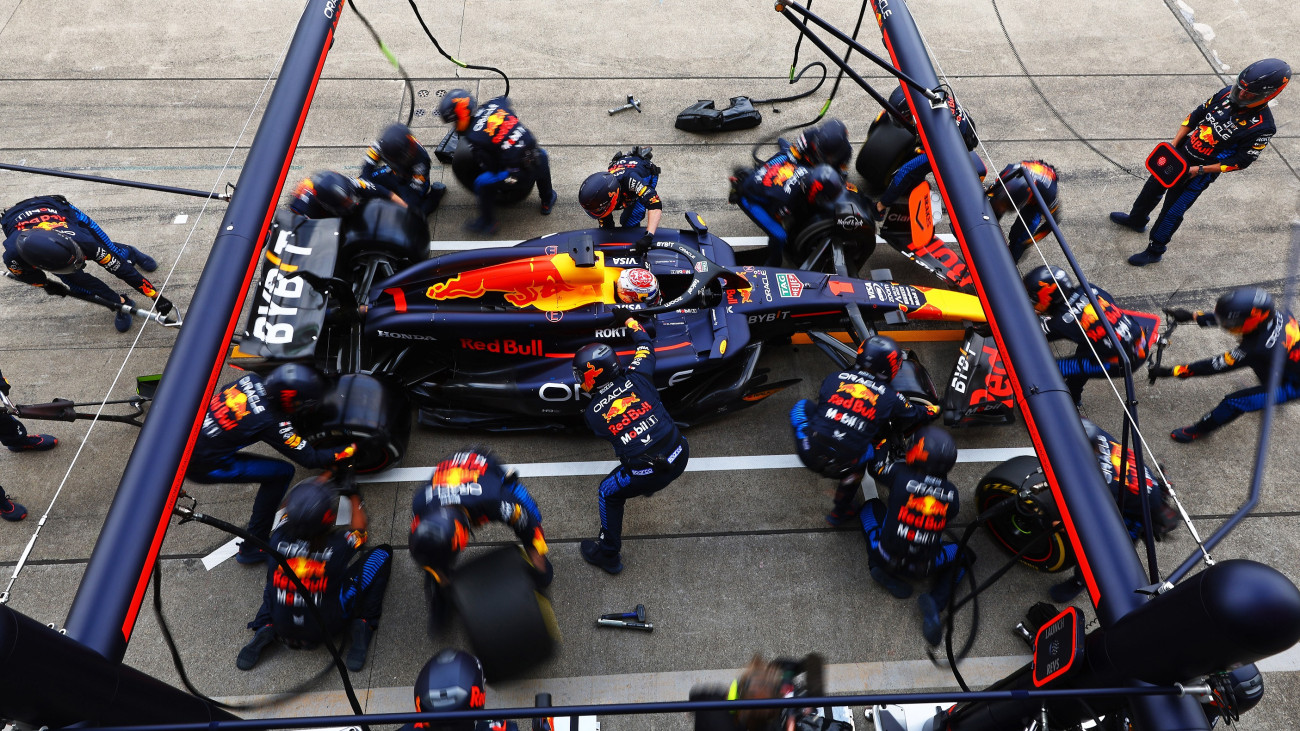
(467,169)
(1031,523)
(362,409)
(510,626)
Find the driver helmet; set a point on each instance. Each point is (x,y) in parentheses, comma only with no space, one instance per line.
(438,534)
(399,148)
(1243,310)
(295,388)
(457,106)
(1259,82)
(825,145)
(310,508)
(822,185)
(636,285)
(880,356)
(1012,191)
(49,251)
(932,451)
(598,195)
(452,680)
(333,192)
(1043,283)
(595,365)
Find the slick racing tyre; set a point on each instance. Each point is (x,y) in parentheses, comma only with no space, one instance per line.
(858,245)
(1032,524)
(510,626)
(467,170)
(365,410)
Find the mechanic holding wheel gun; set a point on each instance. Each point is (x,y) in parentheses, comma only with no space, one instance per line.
(835,436)
(398,162)
(47,234)
(625,410)
(630,185)
(1250,313)
(471,488)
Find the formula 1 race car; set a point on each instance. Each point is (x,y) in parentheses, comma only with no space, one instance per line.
(485,338)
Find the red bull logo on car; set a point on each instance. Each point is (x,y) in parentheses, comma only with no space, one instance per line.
(550,283)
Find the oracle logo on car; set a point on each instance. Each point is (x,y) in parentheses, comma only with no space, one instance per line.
(504,347)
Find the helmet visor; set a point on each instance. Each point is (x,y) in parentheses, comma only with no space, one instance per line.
(75,265)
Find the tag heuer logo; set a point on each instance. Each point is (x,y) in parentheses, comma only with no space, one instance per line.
(789,285)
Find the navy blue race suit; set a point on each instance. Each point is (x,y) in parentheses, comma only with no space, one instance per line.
(1215,135)
(628,414)
(1031,225)
(1062,321)
(12,432)
(637,178)
(55,213)
(345,582)
(1254,351)
(306,204)
(502,147)
(1110,456)
(836,436)
(775,196)
(241,414)
(905,537)
(414,186)
(911,174)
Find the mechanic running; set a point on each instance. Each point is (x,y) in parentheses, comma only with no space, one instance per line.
(327,194)
(14,436)
(905,537)
(1226,133)
(248,411)
(1011,194)
(399,163)
(47,234)
(1248,312)
(346,583)
(502,147)
(1066,314)
(470,488)
(629,184)
(625,410)
(855,408)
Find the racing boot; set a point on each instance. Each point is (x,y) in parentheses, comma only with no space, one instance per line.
(361,632)
(1129,221)
(436,599)
(1150,255)
(252,652)
(122,320)
(250,555)
(433,198)
(845,511)
(1190,433)
(549,202)
(34,443)
(141,260)
(11,510)
(599,554)
(931,621)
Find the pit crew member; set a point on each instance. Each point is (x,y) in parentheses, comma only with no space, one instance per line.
(399,163)
(1011,194)
(14,436)
(327,194)
(453,680)
(912,172)
(629,184)
(779,198)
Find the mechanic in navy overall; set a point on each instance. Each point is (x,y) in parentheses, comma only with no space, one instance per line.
(453,680)
(905,537)
(629,184)
(835,437)
(471,488)
(346,580)
(327,194)
(1011,194)
(1226,133)
(912,172)
(1066,314)
(249,411)
(502,147)
(47,234)
(626,411)
(399,163)
(1248,312)
(14,436)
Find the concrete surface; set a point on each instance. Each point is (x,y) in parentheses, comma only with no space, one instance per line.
(728,564)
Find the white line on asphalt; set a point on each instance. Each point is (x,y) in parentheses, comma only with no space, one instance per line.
(180,218)
(736,242)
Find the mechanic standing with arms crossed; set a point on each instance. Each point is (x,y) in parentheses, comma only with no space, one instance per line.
(625,410)
(1228,132)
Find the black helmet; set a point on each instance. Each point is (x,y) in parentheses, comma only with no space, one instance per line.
(899,100)
(1043,283)
(399,148)
(334,192)
(964,123)
(599,194)
(880,356)
(457,106)
(451,681)
(594,365)
(825,145)
(1260,82)
(311,507)
(931,450)
(438,534)
(822,185)
(47,250)
(1243,310)
(293,387)
(1012,191)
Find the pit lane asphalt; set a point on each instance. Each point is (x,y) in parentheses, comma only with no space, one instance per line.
(727,563)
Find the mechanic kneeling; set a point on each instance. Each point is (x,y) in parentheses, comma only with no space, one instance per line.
(347,583)
(629,184)
(905,538)
(835,437)
(625,410)
(470,488)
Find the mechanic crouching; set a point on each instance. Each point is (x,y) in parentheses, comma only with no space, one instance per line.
(399,163)
(470,488)
(630,184)
(1010,193)
(327,194)
(626,411)
(835,436)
